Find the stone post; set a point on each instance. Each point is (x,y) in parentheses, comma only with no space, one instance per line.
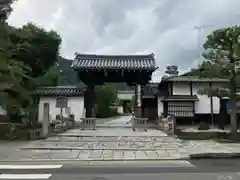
(138,112)
(45,121)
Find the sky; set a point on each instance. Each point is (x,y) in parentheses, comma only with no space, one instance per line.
(167,28)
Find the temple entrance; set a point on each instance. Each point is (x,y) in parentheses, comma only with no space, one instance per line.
(150,110)
(126,105)
(93,70)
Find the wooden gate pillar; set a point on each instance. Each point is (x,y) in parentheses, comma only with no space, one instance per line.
(90,99)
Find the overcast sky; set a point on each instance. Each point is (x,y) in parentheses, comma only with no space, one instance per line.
(164,27)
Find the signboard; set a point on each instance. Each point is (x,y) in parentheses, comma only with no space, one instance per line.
(61,102)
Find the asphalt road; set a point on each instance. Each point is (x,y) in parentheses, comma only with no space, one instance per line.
(196,170)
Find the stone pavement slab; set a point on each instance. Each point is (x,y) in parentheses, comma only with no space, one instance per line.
(153,150)
(99,146)
(113,132)
(118,144)
(119,121)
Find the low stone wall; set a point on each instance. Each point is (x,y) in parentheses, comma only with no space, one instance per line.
(201,135)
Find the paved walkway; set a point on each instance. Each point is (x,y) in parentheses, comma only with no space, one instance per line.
(111,144)
(118,122)
(113,132)
(113,148)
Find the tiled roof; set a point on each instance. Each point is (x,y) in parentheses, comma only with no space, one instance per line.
(193,79)
(181,98)
(60,91)
(134,62)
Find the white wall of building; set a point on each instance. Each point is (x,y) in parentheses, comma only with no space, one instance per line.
(181,88)
(76,105)
(120,109)
(125,95)
(203,106)
(160,106)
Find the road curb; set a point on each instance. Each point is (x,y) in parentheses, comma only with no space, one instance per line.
(214,156)
(91,149)
(93,160)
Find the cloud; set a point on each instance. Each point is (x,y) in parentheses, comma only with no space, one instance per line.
(165,27)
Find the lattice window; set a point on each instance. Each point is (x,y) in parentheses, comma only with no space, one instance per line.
(181,109)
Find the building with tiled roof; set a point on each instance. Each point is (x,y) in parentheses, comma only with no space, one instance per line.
(174,95)
(121,62)
(73,94)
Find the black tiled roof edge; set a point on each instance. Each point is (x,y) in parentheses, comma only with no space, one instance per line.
(60,91)
(134,62)
(181,98)
(193,79)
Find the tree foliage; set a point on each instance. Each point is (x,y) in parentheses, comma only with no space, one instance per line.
(106,97)
(222,59)
(28,56)
(36,47)
(172,70)
(5,9)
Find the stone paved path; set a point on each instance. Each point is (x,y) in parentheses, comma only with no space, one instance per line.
(120,121)
(111,144)
(113,132)
(117,148)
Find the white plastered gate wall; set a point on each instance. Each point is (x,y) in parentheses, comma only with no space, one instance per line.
(76,105)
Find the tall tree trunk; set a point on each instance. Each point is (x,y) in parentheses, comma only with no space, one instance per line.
(234,100)
(234,116)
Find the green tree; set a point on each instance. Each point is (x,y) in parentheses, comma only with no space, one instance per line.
(172,70)
(50,78)
(39,50)
(11,71)
(36,47)
(222,60)
(106,97)
(5,9)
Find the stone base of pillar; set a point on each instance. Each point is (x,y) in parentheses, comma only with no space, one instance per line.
(138,112)
(88,123)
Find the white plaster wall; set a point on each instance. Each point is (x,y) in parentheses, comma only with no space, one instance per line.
(160,106)
(76,105)
(125,95)
(180,88)
(120,109)
(203,106)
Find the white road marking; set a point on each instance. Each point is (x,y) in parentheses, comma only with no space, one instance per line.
(30,166)
(25,176)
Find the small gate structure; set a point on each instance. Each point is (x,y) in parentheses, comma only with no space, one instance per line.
(136,71)
(88,123)
(139,123)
